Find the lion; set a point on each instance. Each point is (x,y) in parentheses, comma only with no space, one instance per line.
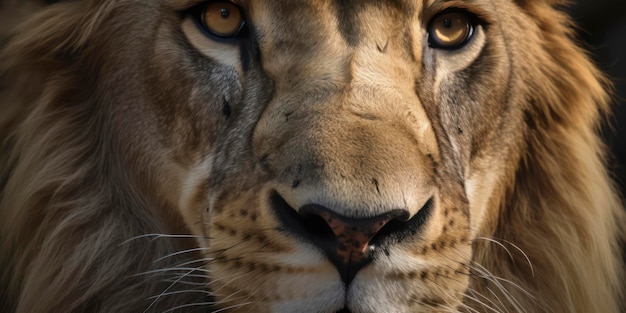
(305,156)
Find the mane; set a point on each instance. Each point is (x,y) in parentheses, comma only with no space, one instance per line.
(72,218)
(560,221)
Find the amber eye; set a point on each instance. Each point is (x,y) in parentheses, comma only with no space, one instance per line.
(450,30)
(222,19)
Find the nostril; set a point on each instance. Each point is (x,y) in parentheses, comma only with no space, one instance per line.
(398,229)
(352,235)
(307,226)
(316,226)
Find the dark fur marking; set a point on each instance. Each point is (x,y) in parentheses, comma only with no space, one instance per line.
(529,119)
(375,182)
(382,48)
(295,183)
(433,302)
(348,16)
(264,162)
(226,110)
(349,26)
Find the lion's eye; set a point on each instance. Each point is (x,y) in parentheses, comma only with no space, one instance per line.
(450,30)
(222,18)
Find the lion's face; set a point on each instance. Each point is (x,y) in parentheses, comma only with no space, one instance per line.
(325,156)
(332,155)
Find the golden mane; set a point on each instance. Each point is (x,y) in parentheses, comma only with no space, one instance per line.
(560,209)
(68,207)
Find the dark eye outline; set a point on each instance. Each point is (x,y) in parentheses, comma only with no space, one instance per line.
(474,21)
(198,18)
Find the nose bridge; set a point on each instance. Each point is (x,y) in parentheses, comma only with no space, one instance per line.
(373,128)
(362,150)
(346,130)
(375,78)
(359,143)
(374,158)
(382,65)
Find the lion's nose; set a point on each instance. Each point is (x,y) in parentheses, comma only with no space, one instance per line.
(352,235)
(347,242)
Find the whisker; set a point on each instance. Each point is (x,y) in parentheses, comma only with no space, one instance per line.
(166,290)
(497,281)
(497,298)
(532,270)
(211,303)
(184,282)
(176,275)
(159,236)
(485,274)
(228,282)
(172,269)
(446,307)
(177,292)
(520,288)
(179,253)
(483,304)
(189,305)
(469,308)
(204,260)
(237,306)
(499,244)
(496,241)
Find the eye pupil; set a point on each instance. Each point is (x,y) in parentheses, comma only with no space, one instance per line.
(224,13)
(221,18)
(450,29)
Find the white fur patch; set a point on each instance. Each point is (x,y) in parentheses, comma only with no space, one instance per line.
(479,188)
(190,183)
(223,53)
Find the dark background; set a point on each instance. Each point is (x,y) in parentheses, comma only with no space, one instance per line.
(603,30)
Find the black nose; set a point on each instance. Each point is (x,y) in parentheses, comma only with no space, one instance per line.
(352,236)
(349,243)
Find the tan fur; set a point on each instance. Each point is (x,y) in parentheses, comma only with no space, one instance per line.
(144,159)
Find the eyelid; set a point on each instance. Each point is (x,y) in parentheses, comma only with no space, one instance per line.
(478,14)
